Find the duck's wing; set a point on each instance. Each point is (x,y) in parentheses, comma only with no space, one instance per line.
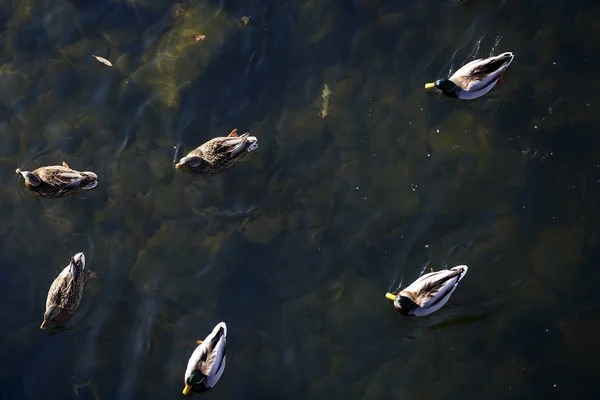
(468,67)
(480,73)
(57,289)
(234,145)
(197,358)
(225,147)
(214,364)
(436,285)
(76,271)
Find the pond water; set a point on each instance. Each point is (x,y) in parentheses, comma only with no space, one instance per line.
(295,246)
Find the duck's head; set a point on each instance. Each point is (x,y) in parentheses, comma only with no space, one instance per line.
(51,313)
(402,303)
(195,379)
(445,85)
(31,178)
(190,162)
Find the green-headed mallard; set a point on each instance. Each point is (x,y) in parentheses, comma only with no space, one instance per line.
(66,291)
(218,154)
(429,293)
(207,362)
(474,79)
(57,181)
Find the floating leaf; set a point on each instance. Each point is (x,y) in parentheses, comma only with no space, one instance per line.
(103,60)
(245,20)
(198,38)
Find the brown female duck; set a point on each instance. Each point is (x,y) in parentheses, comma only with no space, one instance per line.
(218,154)
(57,181)
(66,291)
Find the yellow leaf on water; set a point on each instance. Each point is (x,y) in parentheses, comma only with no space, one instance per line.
(103,60)
(325,96)
(245,20)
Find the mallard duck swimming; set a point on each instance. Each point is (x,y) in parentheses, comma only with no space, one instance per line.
(66,291)
(429,293)
(218,154)
(207,362)
(474,79)
(57,181)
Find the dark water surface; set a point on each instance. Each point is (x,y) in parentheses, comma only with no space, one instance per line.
(295,247)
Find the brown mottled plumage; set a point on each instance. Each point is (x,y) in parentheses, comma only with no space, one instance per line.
(58,181)
(429,293)
(66,291)
(218,154)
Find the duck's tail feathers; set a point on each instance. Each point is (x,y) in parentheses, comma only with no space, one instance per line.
(493,67)
(464,269)
(506,58)
(238,144)
(89,180)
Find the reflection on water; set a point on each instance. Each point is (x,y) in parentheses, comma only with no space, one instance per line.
(295,246)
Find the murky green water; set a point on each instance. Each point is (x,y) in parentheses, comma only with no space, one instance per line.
(295,247)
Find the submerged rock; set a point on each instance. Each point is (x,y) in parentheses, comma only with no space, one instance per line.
(175,60)
(13,85)
(263,228)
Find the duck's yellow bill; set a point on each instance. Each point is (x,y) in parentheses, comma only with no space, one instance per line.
(43,326)
(177,165)
(429,85)
(390,296)
(187,389)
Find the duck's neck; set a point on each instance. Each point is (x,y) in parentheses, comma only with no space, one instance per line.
(452,94)
(406,304)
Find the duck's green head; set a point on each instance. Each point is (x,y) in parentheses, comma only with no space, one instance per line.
(194,379)
(445,85)
(401,303)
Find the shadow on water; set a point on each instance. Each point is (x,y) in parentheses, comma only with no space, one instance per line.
(348,195)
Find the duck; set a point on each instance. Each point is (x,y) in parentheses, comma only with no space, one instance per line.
(429,293)
(474,79)
(66,291)
(218,154)
(58,180)
(207,363)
